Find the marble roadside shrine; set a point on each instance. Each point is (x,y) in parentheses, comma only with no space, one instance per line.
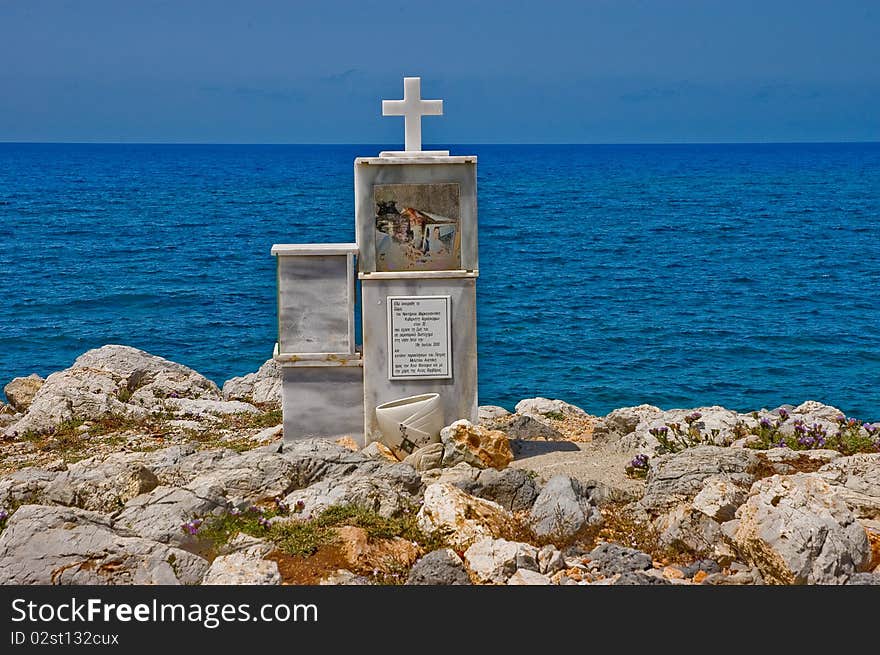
(415,265)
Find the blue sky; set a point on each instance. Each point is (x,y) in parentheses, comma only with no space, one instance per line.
(584,71)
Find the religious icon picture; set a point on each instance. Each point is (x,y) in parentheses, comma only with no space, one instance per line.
(417,227)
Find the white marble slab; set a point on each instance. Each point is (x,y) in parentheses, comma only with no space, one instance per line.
(306,249)
(458,395)
(316,298)
(370,171)
(321,401)
(416,275)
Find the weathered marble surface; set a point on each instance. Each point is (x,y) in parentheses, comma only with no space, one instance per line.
(459,394)
(323,401)
(369,171)
(315,300)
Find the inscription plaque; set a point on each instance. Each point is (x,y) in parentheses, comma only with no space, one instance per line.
(419,337)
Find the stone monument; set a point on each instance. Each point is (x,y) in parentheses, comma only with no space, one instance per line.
(416,259)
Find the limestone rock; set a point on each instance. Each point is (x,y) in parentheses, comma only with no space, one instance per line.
(513,489)
(160,514)
(624,420)
(426,458)
(550,560)
(21,391)
(387,555)
(25,486)
(687,529)
(857,483)
(525,577)
(529,427)
(378,450)
(102,486)
(113,380)
(200,408)
(490,414)
(864,579)
(544,406)
(795,530)
(640,578)
(440,567)
(243,567)
(345,577)
(64,545)
(262,387)
(562,509)
(465,442)
(388,489)
(610,558)
(462,517)
(679,477)
(496,560)
(719,498)
(715,419)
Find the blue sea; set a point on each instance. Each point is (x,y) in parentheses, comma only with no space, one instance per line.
(678,275)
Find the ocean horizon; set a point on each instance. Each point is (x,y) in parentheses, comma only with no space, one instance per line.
(744,275)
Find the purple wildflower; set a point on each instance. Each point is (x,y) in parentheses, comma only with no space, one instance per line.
(192,527)
(765,423)
(264,522)
(870,428)
(3,515)
(783,414)
(639,462)
(692,417)
(299,506)
(841,418)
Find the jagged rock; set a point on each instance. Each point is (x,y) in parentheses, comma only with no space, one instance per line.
(207,408)
(795,530)
(624,420)
(462,517)
(102,484)
(262,387)
(562,509)
(345,577)
(24,486)
(496,560)
(465,442)
(160,514)
(386,555)
(177,466)
(388,489)
(640,578)
(525,577)
(719,498)
(527,427)
(440,567)
(544,406)
(785,461)
(675,478)
(378,450)
(488,415)
(65,545)
(712,419)
(687,529)
(426,458)
(550,560)
(513,489)
(21,391)
(243,567)
(113,380)
(864,579)
(610,558)
(708,566)
(857,483)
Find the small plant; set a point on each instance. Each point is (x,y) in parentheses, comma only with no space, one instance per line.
(674,438)
(556,416)
(638,467)
(851,436)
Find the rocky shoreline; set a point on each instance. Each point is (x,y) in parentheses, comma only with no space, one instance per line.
(127,468)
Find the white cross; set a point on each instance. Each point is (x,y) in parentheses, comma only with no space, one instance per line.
(412,108)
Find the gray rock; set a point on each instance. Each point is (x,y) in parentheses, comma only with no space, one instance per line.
(243,567)
(713,420)
(631,578)
(440,567)
(706,565)
(24,486)
(856,481)
(108,381)
(201,408)
(795,530)
(719,498)
(495,560)
(21,391)
(543,406)
(527,427)
(177,466)
(388,489)
(160,514)
(611,558)
(550,560)
(864,579)
(262,387)
(426,458)
(681,476)
(525,577)
(490,414)
(64,545)
(345,577)
(562,509)
(686,529)
(102,484)
(513,489)
(624,421)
